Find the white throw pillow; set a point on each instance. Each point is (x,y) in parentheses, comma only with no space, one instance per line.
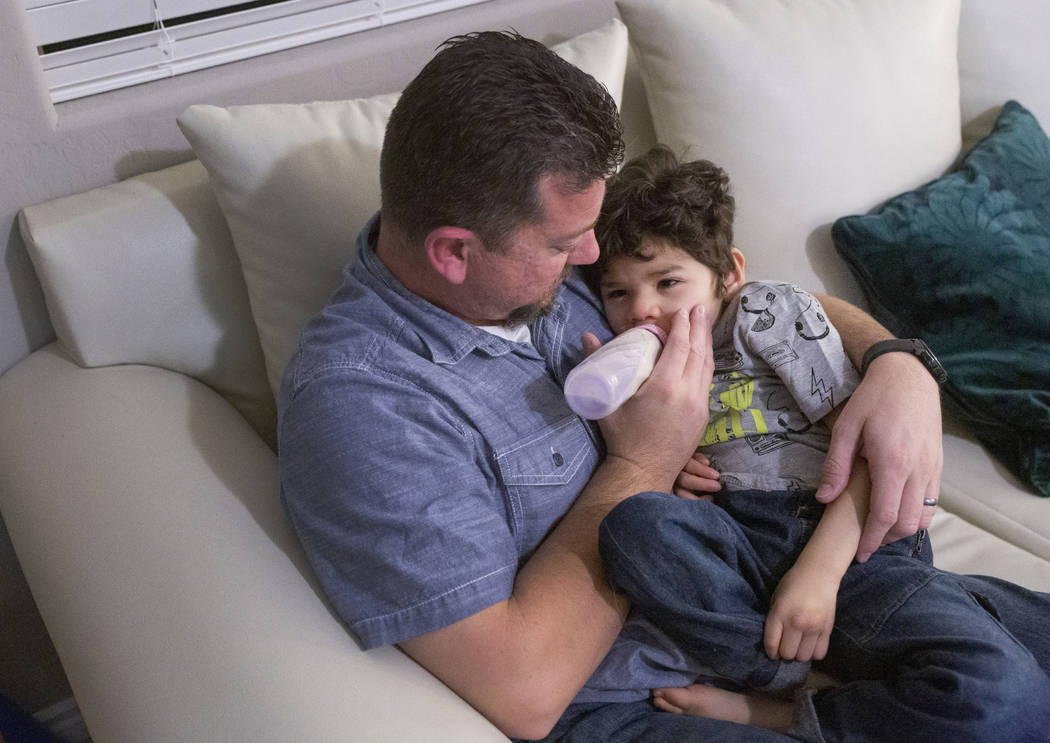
(816,108)
(297,182)
(143,271)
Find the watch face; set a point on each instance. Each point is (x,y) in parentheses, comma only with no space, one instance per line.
(931,362)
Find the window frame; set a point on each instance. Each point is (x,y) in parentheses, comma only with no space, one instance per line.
(169,49)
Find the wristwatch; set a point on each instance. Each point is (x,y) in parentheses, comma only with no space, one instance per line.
(915,346)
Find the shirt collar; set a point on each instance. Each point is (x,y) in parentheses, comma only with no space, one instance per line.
(448,338)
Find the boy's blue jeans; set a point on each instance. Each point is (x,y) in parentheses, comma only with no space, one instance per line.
(924,655)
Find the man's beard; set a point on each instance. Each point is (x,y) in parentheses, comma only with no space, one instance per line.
(530,312)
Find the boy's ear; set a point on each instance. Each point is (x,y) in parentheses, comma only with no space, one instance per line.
(735,278)
(448,250)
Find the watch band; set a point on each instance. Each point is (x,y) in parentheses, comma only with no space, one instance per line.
(915,346)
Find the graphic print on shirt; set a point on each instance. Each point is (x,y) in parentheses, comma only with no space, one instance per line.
(728,359)
(732,413)
(773,376)
(788,416)
(760,302)
(810,323)
(777,355)
(818,387)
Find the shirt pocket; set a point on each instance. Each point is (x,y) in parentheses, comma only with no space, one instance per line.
(543,474)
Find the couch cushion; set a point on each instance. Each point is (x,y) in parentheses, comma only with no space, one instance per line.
(298,181)
(816,108)
(962,547)
(981,490)
(147,519)
(1003,55)
(964,262)
(143,272)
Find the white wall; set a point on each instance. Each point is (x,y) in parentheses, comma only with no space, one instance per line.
(48,151)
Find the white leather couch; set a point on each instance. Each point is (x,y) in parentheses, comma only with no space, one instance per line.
(137,474)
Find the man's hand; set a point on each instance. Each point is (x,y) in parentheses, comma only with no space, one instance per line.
(894,419)
(657,430)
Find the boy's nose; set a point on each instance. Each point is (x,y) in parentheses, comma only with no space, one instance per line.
(644,309)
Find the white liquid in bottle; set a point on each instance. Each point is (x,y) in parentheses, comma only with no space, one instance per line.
(603,381)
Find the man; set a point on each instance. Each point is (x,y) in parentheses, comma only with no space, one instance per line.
(448,499)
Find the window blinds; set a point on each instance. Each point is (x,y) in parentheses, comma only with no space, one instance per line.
(91,46)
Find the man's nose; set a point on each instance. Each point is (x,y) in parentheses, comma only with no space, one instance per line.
(586,250)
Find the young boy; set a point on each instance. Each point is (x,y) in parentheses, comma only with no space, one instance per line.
(781,374)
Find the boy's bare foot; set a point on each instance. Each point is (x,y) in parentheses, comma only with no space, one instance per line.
(699,700)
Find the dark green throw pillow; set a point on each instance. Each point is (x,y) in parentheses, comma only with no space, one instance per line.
(964,263)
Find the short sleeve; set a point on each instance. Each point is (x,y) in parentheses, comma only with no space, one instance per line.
(788,328)
(395,504)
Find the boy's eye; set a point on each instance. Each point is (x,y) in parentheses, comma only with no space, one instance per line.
(667,283)
(614,294)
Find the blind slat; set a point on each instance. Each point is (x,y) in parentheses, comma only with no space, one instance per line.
(55,21)
(52,23)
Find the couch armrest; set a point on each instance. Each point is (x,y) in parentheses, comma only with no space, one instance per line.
(145,514)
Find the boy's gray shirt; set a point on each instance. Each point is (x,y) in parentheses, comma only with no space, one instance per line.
(779,369)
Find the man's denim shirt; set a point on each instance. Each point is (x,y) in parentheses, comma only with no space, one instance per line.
(423,459)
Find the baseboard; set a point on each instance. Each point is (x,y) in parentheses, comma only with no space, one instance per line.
(64,721)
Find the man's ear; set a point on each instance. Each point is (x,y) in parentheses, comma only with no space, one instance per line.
(735,278)
(448,250)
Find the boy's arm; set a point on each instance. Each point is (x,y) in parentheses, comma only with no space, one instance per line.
(800,621)
(698,479)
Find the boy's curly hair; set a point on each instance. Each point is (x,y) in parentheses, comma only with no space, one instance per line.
(687,204)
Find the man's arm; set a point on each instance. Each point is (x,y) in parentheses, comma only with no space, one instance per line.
(894,417)
(521,662)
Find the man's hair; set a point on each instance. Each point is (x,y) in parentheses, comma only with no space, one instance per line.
(687,204)
(472,135)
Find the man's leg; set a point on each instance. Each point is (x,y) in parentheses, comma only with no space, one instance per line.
(925,659)
(640,722)
(1023,612)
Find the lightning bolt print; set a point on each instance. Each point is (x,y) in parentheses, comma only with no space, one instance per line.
(820,387)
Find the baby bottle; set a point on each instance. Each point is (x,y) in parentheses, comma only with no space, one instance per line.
(604,380)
